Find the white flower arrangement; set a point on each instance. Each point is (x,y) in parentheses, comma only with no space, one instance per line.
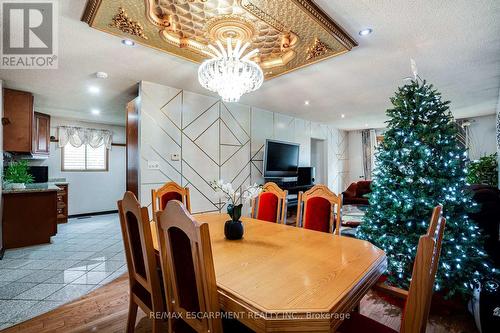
(231,196)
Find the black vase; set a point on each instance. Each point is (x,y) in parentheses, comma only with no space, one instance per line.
(233,230)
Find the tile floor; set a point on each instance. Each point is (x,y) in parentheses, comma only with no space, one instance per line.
(85,254)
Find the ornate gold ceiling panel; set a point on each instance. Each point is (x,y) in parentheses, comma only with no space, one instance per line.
(289,34)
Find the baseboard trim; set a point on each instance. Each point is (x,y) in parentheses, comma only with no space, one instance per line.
(93,214)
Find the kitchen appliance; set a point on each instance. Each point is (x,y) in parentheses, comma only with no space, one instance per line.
(306,176)
(40,173)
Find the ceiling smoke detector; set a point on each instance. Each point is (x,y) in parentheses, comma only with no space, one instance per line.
(101,75)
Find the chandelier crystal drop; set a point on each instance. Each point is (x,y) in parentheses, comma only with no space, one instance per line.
(228,73)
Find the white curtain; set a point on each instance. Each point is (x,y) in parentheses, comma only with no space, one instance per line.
(369,144)
(77,136)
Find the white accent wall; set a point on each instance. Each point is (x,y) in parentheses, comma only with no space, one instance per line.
(91,191)
(217,140)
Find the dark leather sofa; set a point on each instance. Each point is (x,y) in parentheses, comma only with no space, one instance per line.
(355,193)
(488,218)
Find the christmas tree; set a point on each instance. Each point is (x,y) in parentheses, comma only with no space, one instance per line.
(419,165)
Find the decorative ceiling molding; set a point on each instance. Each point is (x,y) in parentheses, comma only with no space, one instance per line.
(122,22)
(252,8)
(328,22)
(289,34)
(318,49)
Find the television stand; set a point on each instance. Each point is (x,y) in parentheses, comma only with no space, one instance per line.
(290,184)
(281,181)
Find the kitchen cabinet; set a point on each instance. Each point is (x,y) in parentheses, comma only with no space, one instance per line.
(24,131)
(41,134)
(62,203)
(17,121)
(29,215)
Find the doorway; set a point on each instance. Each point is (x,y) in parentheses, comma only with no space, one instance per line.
(318,160)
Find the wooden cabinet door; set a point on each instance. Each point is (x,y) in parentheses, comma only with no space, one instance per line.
(62,203)
(41,134)
(18,120)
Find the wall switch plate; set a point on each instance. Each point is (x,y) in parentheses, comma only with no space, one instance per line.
(175,157)
(153,165)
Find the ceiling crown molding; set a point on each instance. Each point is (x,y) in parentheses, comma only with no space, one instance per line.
(90,11)
(328,22)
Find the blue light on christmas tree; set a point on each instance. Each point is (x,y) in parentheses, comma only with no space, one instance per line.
(419,165)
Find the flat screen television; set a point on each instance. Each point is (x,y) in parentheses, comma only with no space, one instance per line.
(281,159)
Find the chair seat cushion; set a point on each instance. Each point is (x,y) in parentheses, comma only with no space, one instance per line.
(359,323)
(318,212)
(169,196)
(267,207)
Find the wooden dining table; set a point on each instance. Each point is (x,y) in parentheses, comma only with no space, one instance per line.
(281,278)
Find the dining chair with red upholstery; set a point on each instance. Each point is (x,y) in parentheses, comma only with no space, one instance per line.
(169,191)
(319,209)
(418,297)
(188,270)
(144,278)
(271,204)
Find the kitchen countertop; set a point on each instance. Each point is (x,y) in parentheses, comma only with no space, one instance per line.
(61,181)
(36,187)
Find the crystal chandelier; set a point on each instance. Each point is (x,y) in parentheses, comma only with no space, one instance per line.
(229,74)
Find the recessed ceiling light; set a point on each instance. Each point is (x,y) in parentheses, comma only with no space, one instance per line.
(128,42)
(366,125)
(365,32)
(306,102)
(94,90)
(96,111)
(342,115)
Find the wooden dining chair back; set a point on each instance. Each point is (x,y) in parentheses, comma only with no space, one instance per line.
(319,209)
(418,297)
(271,204)
(144,278)
(169,191)
(187,265)
(425,266)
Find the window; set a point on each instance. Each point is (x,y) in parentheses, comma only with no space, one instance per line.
(84,158)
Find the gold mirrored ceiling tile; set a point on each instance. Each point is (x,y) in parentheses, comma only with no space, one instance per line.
(289,34)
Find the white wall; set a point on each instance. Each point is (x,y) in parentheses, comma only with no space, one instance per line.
(318,159)
(356,172)
(90,192)
(482,137)
(217,140)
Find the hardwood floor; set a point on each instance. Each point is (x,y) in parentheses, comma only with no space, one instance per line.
(105,311)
